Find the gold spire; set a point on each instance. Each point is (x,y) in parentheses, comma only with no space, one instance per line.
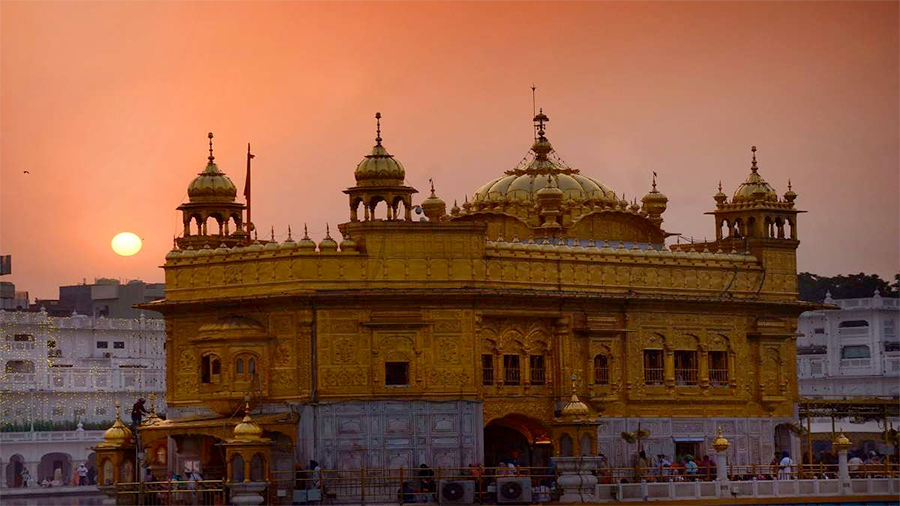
(289,234)
(152,418)
(753,166)
(378,128)
(247,431)
(118,434)
(720,443)
(575,408)
(210,157)
(841,442)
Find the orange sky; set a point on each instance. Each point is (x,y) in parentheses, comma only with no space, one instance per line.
(108,104)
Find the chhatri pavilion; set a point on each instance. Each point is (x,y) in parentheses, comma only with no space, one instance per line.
(456,337)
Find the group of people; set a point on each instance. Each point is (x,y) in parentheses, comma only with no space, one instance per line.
(682,468)
(81,476)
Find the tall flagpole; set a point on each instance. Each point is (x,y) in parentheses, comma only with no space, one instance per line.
(250,156)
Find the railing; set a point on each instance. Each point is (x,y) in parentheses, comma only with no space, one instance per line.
(165,493)
(86,379)
(360,486)
(718,377)
(686,376)
(654,375)
(856,362)
(51,436)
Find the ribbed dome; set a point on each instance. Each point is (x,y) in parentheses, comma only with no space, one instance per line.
(117,435)
(521,184)
(755,187)
(247,431)
(211,185)
(379,167)
(575,408)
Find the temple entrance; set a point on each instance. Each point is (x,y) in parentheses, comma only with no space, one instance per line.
(199,453)
(518,439)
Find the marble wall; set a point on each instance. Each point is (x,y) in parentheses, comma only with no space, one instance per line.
(391,434)
(753,440)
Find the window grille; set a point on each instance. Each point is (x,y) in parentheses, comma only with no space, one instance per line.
(487,369)
(686,368)
(653,367)
(511,369)
(537,369)
(718,368)
(601,370)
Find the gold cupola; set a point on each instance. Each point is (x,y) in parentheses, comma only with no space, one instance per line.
(247,431)
(841,442)
(328,244)
(575,408)
(655,203)
(379,166)
(433,207)
(211,185)
(306,244)
(720,443)
(755,188)
(118,435)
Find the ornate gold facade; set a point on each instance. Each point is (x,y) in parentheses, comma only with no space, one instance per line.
(544,275)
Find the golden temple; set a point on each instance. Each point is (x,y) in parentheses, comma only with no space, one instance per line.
(454,338)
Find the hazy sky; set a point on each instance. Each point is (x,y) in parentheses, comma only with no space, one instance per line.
(108,104)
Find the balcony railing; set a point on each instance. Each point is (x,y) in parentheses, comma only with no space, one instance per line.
(856,362)
(86,379)
(654,375)
(718,377)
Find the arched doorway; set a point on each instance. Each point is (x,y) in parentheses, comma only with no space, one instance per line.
(56,467)
(517,438)
(14,471)
(200,453)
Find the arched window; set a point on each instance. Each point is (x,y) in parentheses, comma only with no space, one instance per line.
(601,370)
(244,367)
(210,369)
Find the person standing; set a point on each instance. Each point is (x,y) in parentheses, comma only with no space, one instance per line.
(785,467)
(82,475)
(137,412)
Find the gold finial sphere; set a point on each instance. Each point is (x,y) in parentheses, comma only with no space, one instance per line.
(720,443)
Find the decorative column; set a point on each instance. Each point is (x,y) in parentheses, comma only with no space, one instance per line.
(576,479)
(720,444)
(841,444)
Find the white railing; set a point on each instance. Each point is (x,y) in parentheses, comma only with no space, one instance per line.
(51,436)
(856,362)
(854,332)
(86,379)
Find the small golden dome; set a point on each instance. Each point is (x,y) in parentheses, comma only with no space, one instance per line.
(575,408)
(118,434)
(306,244)
(434,207)
(790,196)
(720,196)
(211,185)
(841,442)
(328,244)
(289,242)
(720,443)
(755,187)
(247,431)
(379,167)
(655,202)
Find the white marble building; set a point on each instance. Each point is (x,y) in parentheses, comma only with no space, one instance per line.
(70,369)
(850,352)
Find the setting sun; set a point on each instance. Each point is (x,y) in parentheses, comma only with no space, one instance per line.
(126,244)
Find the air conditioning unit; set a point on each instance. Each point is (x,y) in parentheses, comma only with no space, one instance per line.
(457,492)
(514,490)
(107,355)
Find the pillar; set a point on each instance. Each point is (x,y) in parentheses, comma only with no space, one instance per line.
(843,467)
(722,481)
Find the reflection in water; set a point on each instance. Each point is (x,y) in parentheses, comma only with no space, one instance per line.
(70,500)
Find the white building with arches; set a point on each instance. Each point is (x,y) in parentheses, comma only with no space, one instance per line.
(58,372)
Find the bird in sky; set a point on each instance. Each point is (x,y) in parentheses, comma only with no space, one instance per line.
(25,172)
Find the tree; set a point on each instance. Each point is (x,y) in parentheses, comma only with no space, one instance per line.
(813,287)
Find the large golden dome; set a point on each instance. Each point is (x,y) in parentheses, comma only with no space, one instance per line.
(379,167)
(211,185)
(755,187)
(521,184)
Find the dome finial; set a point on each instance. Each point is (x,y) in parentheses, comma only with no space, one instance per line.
(327,231)
(720,185)
(211,157)
(654,182)
(289,233)
(431,182)
(378,128)
(789,185)
(273,232)
(305,232)
(753,166)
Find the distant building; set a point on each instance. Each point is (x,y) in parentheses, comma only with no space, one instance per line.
(853,351)
(10,299)
(70,369)
(106,297)
(75,368)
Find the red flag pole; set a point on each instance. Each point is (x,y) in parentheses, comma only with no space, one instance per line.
(250,156)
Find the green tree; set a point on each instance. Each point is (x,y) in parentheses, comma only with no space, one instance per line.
(813,287)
